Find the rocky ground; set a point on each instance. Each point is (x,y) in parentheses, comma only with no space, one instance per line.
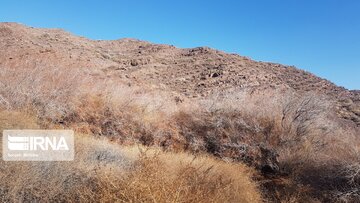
(187,73)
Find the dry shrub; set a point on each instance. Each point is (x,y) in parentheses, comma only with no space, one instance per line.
(314,148)
(123,120)
(106,172)
(46,91)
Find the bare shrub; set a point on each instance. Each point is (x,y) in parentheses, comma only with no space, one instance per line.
(313,147)
(46,90)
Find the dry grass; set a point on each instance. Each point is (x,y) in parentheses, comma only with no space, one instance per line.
(317,153)
(185,178)
(292,137)
(105,172)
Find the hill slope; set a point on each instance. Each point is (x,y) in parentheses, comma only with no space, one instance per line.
(188,73)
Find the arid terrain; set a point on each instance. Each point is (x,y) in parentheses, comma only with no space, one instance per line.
(258,131)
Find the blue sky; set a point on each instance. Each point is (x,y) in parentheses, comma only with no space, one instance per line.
(320,36)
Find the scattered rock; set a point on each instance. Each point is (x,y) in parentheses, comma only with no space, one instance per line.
(134,63)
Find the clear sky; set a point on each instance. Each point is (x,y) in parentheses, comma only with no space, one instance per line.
(320,36)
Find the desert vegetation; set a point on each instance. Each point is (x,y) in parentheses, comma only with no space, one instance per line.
(299,152)
(106,172)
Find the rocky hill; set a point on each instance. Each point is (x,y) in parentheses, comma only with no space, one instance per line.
(187,73)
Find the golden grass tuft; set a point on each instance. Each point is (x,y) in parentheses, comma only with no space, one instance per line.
(106,172)
(16,120)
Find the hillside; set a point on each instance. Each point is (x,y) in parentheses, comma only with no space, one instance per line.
(188,73)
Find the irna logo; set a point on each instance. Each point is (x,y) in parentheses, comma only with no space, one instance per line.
(38,145)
